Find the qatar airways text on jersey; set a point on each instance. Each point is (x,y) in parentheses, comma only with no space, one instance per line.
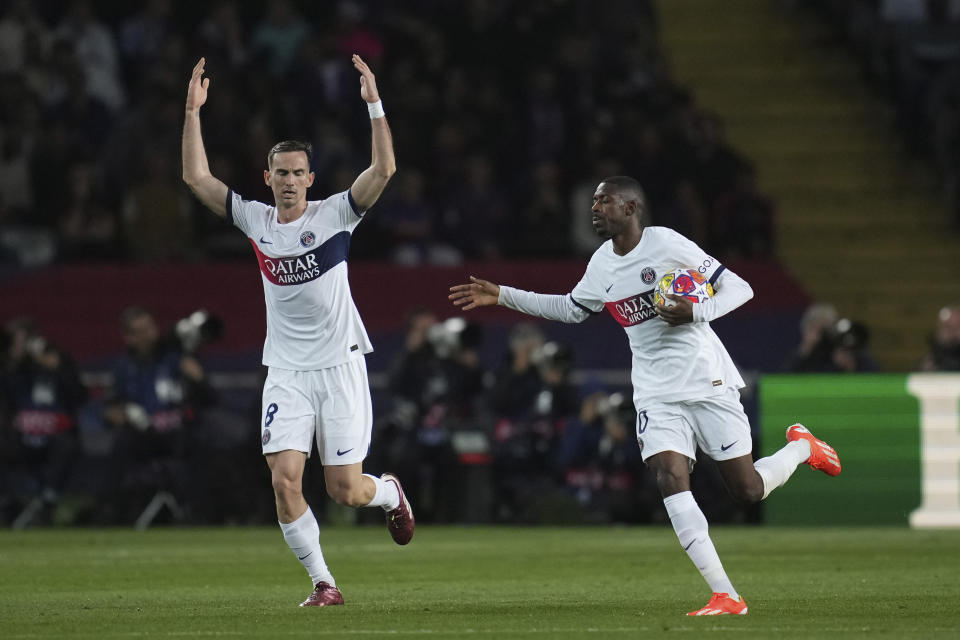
(633,310)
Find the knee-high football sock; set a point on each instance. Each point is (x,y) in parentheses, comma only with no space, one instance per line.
(776,469)
(303,537)
(692,530)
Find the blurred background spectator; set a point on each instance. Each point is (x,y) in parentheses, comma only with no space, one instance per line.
(436,387)
(39,400)
(813,351)
(944,354)
(831,344)
(152,409)
(601,464)
(531,398)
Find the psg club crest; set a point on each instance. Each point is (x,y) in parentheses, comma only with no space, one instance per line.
(266,436)
(648,275)
(307,238)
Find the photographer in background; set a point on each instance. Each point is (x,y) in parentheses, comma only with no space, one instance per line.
(813,351)
(831,344)
(435,383)
(944,354)
(158,388)
(851,348)
(600,462)
(532,398)
(559,398)
(40,394)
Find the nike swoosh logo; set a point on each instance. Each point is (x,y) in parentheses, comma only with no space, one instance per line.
(690,545)
(264,241)
(306,556)
(340,453)
(608,288)
(725,447)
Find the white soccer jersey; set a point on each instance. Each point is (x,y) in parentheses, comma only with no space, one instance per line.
(312,321)
(669,363)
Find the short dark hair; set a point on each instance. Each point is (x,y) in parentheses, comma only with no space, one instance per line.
(627,186)
(290,145)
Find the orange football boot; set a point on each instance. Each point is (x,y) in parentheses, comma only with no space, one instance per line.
(822,455)
(721,604)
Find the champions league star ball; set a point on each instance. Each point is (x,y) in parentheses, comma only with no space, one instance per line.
(688,283)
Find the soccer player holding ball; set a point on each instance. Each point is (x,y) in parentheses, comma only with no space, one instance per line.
(316,387)
(685,385)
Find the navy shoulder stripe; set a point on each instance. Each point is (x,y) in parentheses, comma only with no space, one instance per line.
(716,274)
(588,310)
(229,205)
(353,204)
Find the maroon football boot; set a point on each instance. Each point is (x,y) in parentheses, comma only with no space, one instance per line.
(400,522)
(325,595)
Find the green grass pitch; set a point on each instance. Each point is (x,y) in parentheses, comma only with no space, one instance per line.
(477,582)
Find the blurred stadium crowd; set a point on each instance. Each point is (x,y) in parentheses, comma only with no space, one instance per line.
(498,159)
(91,97)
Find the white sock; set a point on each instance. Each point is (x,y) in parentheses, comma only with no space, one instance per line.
(303,537)
(776,469)
(691,527)
(386,496)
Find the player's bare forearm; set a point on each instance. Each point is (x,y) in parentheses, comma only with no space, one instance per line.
(373,180)
(382,160)
(368,186)
(196,171)
(478,293)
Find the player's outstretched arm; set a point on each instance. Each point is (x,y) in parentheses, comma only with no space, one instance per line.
(196,171)
(479,293)
(373,180)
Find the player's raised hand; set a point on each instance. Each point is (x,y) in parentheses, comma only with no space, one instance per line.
(368,83)
(197,89)
(680,313)
(479,293)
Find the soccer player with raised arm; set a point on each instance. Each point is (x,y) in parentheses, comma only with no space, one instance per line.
(316,386)
(685,386)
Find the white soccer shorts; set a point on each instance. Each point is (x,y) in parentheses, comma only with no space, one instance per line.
(717,424)
(330,405)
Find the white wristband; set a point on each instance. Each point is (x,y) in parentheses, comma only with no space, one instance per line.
(376,109)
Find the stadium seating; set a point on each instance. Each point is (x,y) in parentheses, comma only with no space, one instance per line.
(860,224)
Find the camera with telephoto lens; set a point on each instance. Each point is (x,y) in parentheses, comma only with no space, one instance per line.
(849,334)
(453,335)
(197,329)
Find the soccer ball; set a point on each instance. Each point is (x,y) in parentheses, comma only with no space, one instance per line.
(688,283)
